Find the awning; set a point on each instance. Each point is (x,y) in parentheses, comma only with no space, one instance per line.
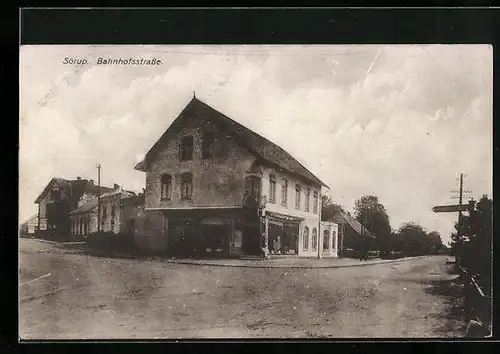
(283,218)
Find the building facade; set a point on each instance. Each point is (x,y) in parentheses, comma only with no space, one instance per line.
(58,198)
(116,212)
(214,187)
(353,236)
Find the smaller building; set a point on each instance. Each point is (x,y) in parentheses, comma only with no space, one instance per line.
(29,227)
(329,239)
(116,214)
(58,198)
(352,234)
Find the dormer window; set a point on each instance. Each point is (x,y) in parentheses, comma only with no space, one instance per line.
(186,148)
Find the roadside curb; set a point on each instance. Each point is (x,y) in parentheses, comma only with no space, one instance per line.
(290,266)
(58,242)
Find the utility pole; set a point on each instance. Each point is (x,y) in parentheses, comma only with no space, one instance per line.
(460,195)
(99,197)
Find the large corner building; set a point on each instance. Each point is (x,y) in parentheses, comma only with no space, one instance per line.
(215,187)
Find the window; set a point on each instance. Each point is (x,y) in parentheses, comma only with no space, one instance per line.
(207,145)
(55,194)
(113,216)
(253,189)
(305,239)
(315,203)
(81,226)
(86,226)
(186,148)
(284,192)
(166,187)
(326,240)
(186,186)
(297,196)
(307,201)
(334,240)
(315,239)
(103,216)
(272,188)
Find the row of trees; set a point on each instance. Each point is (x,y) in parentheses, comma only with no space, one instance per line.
(411,239)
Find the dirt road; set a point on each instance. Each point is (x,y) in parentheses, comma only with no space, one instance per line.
(65,295)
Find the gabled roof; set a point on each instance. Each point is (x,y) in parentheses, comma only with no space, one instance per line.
(89,187)
(30,219)
(124,193)
(261,147)
(92,204)
(53,181)
(353,223)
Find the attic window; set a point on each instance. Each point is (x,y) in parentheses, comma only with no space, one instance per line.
(55,194)
(186,148)
(207,147)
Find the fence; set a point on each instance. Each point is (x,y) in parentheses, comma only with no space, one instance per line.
(477,304)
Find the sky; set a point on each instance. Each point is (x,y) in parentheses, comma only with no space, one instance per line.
(399,122)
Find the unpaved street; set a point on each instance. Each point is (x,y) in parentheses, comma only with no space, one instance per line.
(65,294)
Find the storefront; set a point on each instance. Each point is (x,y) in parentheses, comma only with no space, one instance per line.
(282,234)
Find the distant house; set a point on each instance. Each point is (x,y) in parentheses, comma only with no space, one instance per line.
(29,227)
(352,233)
(118,210)
(58,198)
(214,186)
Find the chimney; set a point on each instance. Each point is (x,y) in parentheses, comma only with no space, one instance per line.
(91,182)
(116,186)
(78,178)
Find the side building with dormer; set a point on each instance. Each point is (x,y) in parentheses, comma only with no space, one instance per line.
(58,198)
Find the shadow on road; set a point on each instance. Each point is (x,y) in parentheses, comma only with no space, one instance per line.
(452,291)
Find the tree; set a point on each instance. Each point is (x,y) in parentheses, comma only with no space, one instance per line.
(413,239)
(435,242)
(329,209)
(474,245)
(372,214)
